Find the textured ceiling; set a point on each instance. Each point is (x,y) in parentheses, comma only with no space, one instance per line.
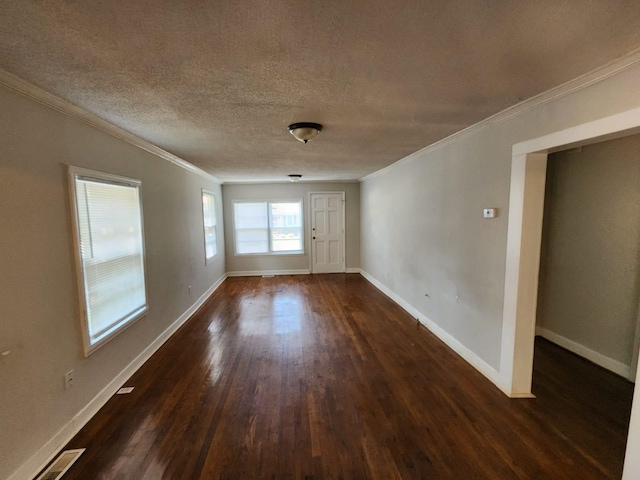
(217,82)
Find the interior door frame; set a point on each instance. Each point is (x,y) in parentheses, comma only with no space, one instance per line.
(524,234)
(344,229)
(633,370)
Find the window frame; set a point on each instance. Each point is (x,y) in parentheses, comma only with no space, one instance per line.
(208,260)
(74,173)
(269,227)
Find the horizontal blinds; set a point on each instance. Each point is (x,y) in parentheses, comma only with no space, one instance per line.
(111,245)
(286,226)
(268,227)
(251,222)
(209,217)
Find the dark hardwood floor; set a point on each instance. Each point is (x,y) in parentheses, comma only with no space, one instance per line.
(323,377)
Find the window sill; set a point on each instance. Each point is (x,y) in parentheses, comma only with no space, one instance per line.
(272,254)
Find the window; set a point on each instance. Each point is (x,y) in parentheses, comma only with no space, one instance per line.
(110,253)
(268,227)
(210,229)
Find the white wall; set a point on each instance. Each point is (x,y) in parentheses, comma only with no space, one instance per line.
(287,191)
(39,319)
(590,262)
(422,226)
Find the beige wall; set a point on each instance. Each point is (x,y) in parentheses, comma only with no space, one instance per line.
(590,267)
(39,320)
(422,230)
(289,191)
(422,226)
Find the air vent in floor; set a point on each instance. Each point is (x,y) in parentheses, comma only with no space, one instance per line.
(61,464)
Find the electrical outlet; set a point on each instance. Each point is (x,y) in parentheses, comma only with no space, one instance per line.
(68,380)
(490,212)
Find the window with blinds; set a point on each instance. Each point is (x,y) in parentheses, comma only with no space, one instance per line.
(110,253)
(210,225)
(268,227)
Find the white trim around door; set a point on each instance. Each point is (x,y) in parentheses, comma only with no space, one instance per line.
(327,232)
(524,232)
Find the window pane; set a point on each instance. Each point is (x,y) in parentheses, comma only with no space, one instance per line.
(110,232)
(251,227)
(210,229)
(286,226)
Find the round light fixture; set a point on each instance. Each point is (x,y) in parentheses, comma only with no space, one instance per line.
(294,177)
(304,131)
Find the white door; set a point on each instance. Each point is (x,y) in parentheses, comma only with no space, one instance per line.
(327,232)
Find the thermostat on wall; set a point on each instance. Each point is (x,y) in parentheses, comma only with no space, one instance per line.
(489,213)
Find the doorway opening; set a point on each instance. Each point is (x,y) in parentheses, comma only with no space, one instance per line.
(524,235)
(588,294)
(526,206)
(589,287)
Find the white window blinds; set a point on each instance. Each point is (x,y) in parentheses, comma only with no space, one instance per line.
(286,226)
(110,240)
(251,222)
(210,224)
(268,227)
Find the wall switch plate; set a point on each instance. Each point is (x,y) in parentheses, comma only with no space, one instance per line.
(68,380)
(489,213)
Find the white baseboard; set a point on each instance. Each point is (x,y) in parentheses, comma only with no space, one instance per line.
(591,355)
(476,362)
(49,450)
(259,273)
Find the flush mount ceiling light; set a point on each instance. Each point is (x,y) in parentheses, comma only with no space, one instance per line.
(304,131)
(294,177)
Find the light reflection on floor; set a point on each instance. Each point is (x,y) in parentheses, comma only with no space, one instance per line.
(216,357)
(215,351)
(283,314)
(287,313)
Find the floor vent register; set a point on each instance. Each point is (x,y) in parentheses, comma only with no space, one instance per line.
(61,464)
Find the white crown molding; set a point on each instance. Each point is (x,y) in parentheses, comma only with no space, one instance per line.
(287,182)
(562,90)
(50,100)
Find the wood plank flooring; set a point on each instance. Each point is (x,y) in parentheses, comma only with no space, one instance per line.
(323,377)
